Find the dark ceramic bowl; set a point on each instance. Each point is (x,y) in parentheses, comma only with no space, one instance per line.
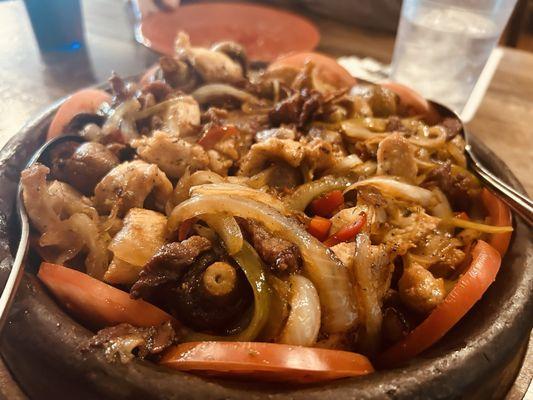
(478,358)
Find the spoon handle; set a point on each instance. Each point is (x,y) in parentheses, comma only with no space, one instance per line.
(518,202)
(15,275)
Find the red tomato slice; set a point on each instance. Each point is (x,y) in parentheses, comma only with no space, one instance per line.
(319,227)
(266,361)
(325,205)
(347,233)
(468,290)
(418,104)
(83,101)
(97,303)
(327,68)
(215,134)
(500,215)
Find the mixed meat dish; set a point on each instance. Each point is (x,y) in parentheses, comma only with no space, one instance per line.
(282,221)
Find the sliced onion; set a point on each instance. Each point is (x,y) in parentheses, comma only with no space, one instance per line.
(305,193)
(228,230)
(367,294)
(397,189)
(214,91)
(239,190)
(327,273)
(122,119)
(188,180)
(303,323)
(345,164)
(355,130)
(442,209)
(462,223)
(433,138)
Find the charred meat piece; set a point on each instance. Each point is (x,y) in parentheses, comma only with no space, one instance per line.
(159,89)
(120,89)
(82,166)
(458,187)
(452,126)
(394,123)
(124,341)
(297,109)
(168,264)
(277,253)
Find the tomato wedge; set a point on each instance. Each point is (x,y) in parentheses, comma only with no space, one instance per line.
(347,233)
(266,361)
(499,215)
(215,134)
(325,205)
(83,101)
(327,68)
(97,303)
(468,290)
(319,227)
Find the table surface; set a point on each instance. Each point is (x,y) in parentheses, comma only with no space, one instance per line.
(30,80)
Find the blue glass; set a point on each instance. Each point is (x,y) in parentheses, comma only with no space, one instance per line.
(57,24)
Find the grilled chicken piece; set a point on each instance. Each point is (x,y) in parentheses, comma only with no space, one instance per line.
(396,157)
(420,290)
(213,66)
(182,118)
(131,184)
(272,149)
(171,154)
(66,220)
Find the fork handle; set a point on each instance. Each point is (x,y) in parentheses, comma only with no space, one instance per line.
(518,202)
(17,270)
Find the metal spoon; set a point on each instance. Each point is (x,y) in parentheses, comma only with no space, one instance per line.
(518,202)
(15,275)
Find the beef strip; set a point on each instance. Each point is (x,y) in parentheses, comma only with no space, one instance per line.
(297,109)
(452,126)
(457,186)
(159,89)
(168,264)
(122,342)
(277,253)
(119,88)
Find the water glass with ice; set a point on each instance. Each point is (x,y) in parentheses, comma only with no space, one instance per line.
(442,45)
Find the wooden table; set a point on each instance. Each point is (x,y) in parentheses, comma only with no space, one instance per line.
(30,80)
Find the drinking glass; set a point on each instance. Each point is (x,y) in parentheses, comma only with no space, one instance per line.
(57,24)
(442,45)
